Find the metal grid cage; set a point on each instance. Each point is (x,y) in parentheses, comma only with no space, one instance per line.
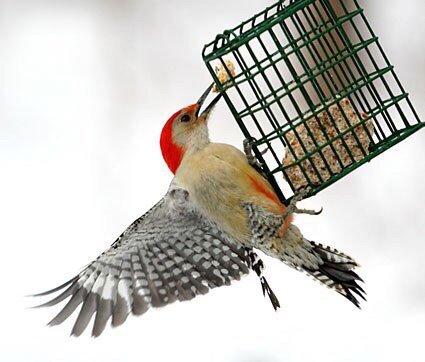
(313,85)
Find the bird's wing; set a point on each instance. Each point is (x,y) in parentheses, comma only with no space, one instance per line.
(170,253)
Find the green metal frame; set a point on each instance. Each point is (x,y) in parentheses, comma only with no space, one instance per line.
(298,58)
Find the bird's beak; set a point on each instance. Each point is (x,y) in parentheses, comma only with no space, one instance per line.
(210,107)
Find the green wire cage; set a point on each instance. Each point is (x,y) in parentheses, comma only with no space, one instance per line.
(312,85)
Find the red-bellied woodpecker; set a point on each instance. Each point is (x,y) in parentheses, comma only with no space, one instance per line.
(201,235)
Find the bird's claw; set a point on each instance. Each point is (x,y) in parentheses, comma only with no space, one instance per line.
(263,152)
(293,209)
(252,160)
(307,211)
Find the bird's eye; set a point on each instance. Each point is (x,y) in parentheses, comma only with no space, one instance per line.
(185,118)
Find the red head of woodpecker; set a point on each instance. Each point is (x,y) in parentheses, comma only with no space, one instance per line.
(186,131)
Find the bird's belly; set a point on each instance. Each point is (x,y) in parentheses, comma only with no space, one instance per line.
(221,187)
(222,202)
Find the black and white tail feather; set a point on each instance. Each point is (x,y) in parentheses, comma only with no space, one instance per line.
(336,272)
(327,265)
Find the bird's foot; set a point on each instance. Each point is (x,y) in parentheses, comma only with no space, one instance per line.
(293,209)
(256,264)
(252,160)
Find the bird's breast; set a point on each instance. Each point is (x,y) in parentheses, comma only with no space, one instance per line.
(220,182)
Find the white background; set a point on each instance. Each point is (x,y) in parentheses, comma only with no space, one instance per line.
(85,87)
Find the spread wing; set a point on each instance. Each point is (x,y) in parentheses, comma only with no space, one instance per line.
(171,253)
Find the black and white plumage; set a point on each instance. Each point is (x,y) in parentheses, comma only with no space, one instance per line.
(171,253)
(257,265)
(201,235)
(325,264)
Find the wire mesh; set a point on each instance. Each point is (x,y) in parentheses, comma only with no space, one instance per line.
(314,86)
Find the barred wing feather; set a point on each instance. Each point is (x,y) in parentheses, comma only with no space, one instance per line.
(171,253)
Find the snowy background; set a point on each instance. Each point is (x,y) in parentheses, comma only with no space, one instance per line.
(85,87)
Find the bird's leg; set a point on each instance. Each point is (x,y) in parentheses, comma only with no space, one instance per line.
(293,209)
(252,160)
(256,264)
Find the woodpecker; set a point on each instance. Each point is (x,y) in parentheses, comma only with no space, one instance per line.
(202,234)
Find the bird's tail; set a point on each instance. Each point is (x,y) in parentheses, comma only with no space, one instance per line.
(329,266)
(337,273)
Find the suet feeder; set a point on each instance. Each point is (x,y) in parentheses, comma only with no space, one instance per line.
(313,86)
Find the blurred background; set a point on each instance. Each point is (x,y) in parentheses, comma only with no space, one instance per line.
(85,87)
